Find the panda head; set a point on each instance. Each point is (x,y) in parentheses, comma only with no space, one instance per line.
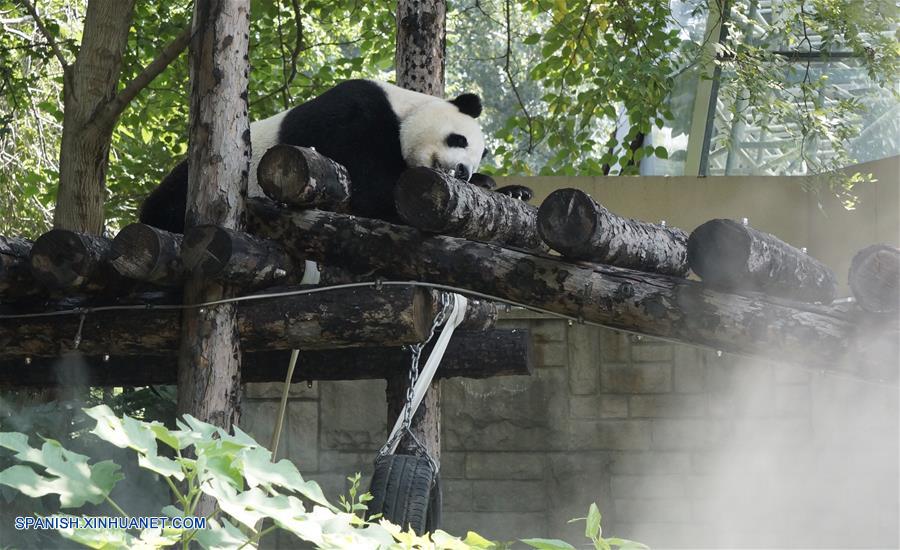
(444,135)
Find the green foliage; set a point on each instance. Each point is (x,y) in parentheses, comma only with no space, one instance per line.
(558,77)
(253,495)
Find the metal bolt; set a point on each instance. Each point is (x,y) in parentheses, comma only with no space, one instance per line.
(202,311)
(309,384)
(106,358)
(745,221)
(279,273)
(803,250)
(718,353)
(28,360)
(571,322)
(662,223)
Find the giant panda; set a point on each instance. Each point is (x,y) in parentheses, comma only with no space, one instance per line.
(375,129)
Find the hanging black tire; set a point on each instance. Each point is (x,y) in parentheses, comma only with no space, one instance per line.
(401,490)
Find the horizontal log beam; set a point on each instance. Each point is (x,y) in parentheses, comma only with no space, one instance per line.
(439,203)
(736,257)
(392,316)
(651,304)
(469,355)
(302,177)
(875,278)
(580,228)
(63,259)
(243,260)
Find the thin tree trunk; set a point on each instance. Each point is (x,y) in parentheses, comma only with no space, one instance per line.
(90,84)
(219,156)
(419,62)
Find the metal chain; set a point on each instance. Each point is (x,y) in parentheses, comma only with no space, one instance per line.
(413,376)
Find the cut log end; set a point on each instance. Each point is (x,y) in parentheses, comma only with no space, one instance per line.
(718,249)
(302,177)
(149,254)
(875,278)
(566,221)
(422,198)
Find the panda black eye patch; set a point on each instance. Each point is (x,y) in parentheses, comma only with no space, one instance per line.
(456,140)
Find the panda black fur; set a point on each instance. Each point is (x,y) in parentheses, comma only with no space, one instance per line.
(376,130)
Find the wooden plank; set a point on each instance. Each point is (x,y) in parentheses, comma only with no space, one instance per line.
(470,354)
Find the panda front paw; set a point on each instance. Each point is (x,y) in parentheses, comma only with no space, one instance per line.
(517,192)
(482,180)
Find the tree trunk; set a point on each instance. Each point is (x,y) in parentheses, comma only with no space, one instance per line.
(419,63)
(209,375)
(89,85)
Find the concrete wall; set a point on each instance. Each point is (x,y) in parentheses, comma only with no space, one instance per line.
(679,446)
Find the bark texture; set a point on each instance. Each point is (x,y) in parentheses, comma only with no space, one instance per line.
(737,257)
(89,85)
(145,253)
(239,259)
(63,259)
(421,45)
(302,177)
(469,355)
(651,304)
(439,203)
(579,228)
(219,156)
(393,316)
(875,278)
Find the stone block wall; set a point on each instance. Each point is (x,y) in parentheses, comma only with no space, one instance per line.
(679,446)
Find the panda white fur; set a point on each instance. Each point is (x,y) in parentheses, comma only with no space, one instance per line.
(376,130)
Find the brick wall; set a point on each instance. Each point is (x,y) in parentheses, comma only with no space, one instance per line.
(677,445)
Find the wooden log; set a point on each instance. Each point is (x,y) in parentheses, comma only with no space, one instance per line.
(736,257)
(392,316)
(64,259)
(579,228)
(302,177)
(875,278)
(439,203)
(238,258)
(145,253)
(651,304)
(504,352)
(16,280)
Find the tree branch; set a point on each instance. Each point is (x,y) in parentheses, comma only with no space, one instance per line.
(51,41)
(111,111)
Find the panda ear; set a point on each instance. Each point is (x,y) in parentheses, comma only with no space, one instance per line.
(468,104)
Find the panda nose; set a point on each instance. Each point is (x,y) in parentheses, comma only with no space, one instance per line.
(462,172)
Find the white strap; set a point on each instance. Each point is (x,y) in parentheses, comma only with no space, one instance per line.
(311,274)
(457,315)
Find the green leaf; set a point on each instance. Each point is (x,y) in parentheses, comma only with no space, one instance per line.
(661,152)
(592,525)
(548,544)
(533,38)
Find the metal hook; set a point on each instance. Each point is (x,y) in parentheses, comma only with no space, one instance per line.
(77,341)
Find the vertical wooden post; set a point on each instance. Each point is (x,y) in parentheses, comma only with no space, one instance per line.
(419,61)
(219,157)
